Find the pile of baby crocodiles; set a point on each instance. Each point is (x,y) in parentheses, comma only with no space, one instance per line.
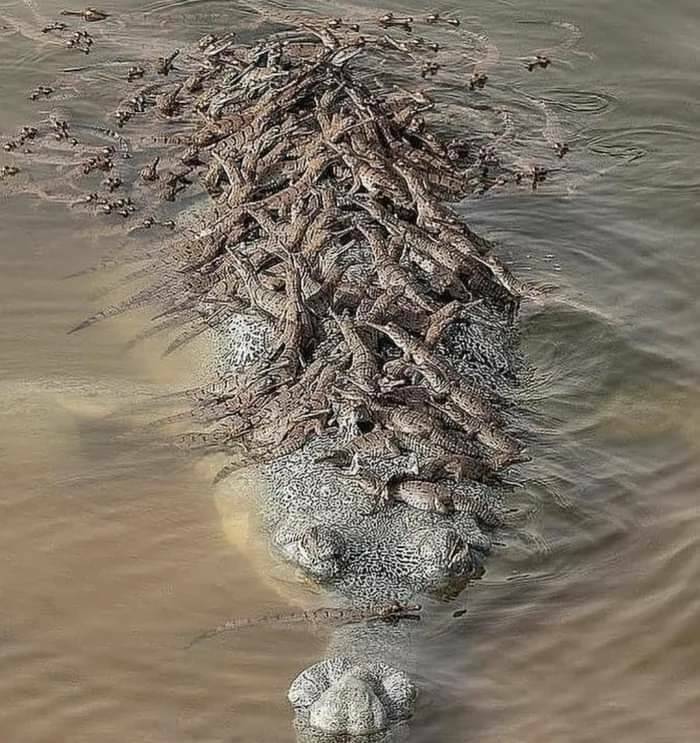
(329,224)
(329,251)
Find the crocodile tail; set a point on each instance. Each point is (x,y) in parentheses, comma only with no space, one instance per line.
(226,472)
(148,332)
(187,336)
(137,300)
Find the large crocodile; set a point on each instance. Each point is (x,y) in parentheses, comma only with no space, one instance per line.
(364,333)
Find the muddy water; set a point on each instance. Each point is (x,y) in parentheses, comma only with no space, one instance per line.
(114,553)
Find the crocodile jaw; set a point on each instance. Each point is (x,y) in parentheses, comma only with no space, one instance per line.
(339,697)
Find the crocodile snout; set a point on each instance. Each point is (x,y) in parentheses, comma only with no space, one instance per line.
(348,706)
(338,697)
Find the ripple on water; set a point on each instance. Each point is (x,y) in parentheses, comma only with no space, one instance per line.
(580,492)
(580,101)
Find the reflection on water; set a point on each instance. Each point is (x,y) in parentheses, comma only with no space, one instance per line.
(114,553)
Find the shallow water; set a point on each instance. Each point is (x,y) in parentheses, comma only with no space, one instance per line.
(114,553)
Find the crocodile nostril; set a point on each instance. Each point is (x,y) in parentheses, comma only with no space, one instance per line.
(349,707)
(339,697)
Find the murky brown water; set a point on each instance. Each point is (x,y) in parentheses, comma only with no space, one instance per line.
(113,553)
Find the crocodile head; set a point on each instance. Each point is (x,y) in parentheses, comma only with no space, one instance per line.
(318,550)
(337,697)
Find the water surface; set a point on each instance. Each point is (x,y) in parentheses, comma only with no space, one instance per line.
(114,553)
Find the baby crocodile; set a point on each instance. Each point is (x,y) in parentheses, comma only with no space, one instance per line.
(434,18)
(149,173)
(540,60)
(419,494)
(42,91)
(389,19)
(88,14)
(54,26)
(334,616)
(135,73)
(164,65)
(8,170)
